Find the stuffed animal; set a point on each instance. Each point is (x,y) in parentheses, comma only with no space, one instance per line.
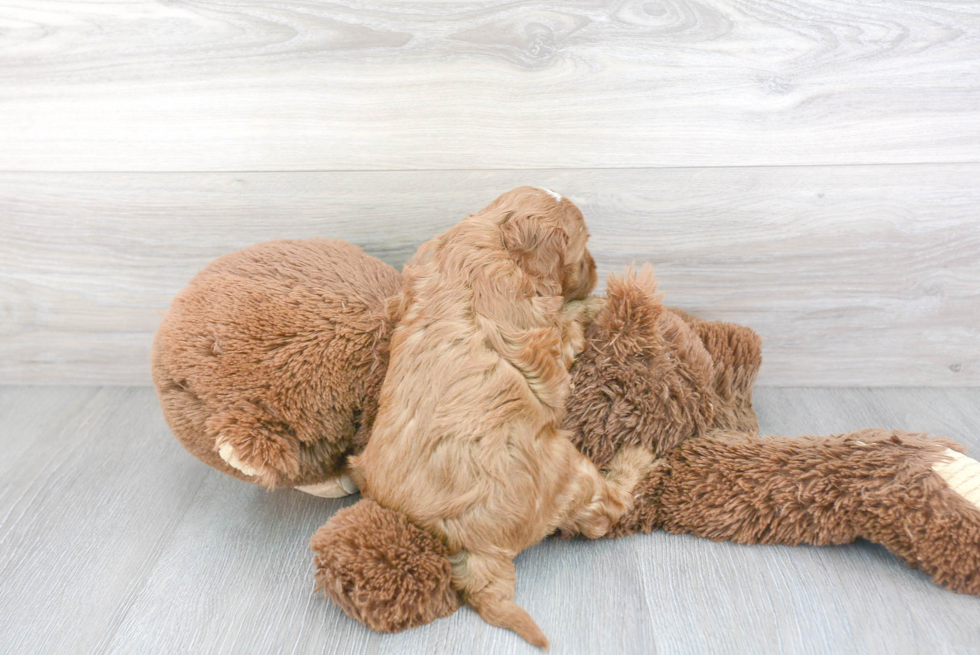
(268,365)
(268,368)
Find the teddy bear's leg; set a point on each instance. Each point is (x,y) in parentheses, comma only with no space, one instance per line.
(382,570)
(945,529)
(915,495)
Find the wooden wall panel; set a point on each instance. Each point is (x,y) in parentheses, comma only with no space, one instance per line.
(854,275)
(209,85)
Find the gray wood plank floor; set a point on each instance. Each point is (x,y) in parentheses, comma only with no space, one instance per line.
(115,540)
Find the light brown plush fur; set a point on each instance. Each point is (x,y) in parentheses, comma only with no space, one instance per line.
(643,379)
(278,350)
(467,442)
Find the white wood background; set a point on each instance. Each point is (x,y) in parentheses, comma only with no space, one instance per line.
(810,168)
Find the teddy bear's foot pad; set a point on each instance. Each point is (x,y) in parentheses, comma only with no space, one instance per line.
(336,487)
(962,474)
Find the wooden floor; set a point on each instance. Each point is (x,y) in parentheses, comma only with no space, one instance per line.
(115,540)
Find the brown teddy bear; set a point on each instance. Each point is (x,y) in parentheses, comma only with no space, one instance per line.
(268,368)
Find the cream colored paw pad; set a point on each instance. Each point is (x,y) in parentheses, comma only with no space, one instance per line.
(227,453)
(962,474)
(337,487)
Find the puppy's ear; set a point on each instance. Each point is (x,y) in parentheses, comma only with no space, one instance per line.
(536,243)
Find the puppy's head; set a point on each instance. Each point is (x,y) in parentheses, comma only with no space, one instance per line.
(545,235)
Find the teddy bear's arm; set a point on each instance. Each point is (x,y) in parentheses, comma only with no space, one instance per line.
(736,355)
(917,496)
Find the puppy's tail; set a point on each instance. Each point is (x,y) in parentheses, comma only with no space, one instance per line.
(487,583)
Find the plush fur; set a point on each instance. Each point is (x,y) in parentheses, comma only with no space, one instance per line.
(649,376)
(382,570)
(467,442)
(277,352)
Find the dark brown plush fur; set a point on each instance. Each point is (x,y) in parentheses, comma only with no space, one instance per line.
(654,376)
(872,484)
(650,375)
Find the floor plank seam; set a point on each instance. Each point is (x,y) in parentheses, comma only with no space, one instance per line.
(6,525)
(127,603)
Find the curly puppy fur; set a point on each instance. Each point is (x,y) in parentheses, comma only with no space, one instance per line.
(273,356)
(467,441)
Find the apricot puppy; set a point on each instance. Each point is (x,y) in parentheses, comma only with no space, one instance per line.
(466,442)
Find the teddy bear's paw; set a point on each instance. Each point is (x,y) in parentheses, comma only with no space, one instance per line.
(382,569)
(270,461)
(336,487)
(253,441)
(227,452)
(962,474)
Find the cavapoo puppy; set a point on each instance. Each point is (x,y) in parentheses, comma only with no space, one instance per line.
(467,442)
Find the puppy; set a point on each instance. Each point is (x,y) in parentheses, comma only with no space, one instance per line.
(466,442)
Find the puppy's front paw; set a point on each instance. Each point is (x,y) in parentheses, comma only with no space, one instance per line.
(629,466)
(592,307)
(584,311)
